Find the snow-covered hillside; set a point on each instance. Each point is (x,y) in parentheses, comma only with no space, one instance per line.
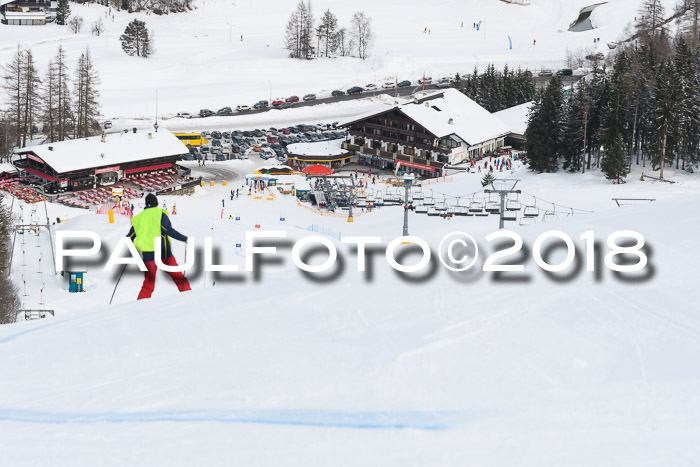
(366,369)
(202,63)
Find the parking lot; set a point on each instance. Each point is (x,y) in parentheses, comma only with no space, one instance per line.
(265,143)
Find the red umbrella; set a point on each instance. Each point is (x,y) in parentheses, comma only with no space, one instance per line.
(317,169)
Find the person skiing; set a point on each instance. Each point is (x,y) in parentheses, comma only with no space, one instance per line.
(231,195)
(146,226)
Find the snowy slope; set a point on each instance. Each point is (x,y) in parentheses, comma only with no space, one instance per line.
(202,63)
(357,370)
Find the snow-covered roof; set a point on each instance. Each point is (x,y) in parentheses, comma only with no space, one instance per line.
(515,118)
(321,148)
(469,121)
(118,148)
(7,168)
(455,113)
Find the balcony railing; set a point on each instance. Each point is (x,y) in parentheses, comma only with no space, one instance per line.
(399,141)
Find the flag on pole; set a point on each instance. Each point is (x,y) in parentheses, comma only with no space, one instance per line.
(397,82)
(424,81)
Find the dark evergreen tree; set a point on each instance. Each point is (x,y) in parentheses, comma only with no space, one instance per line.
(665,119)
(576,127)
(615,164)
(62,12)
(488,179)
(545,130)
(685,62)
(136,39)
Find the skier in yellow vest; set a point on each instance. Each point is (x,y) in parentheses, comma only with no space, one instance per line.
(146,226)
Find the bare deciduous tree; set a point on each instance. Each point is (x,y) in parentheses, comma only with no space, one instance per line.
(362,33)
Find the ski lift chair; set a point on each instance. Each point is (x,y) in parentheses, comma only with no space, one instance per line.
(493,206)
(550,215)
(513,204)
(531,211)
(476,207)
(417,194)
(510,215)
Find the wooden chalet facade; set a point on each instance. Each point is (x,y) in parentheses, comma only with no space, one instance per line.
(426,135)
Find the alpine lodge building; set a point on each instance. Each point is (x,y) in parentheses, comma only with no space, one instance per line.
(425,135)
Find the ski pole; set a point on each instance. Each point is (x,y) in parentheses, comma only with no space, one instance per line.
(117,284)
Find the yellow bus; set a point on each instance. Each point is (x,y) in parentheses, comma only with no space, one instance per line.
(191,139)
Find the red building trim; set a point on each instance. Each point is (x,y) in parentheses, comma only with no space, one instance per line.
(150,167)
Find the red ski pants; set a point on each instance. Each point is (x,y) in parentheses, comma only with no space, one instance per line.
(149,281)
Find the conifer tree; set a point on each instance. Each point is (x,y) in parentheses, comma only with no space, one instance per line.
(86,95)
(665,119)
(545,130)
(62,12)
(64,114)
(136,39)
(615,165)
(14,87)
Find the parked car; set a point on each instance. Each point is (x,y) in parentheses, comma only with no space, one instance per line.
(216,135)
(284,105)
(205,113)
(388,85)
(565,72)
(107,125)
(277,103)
(221,157)
(242,108)
(597,56)
(443,83)
(266,153)
(215,143)
(224,111)
(292,99)
(355,90)
(261,105)
(404,83)
(183,115)
(273,139)
(337,93)
(309,97)
(428,80)
(371,87)
(545,72)
(188,157)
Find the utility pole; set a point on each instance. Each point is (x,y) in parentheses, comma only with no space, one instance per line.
(407,180)
(155,125)
(505,188)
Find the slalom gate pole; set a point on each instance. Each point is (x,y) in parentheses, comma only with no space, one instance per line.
(117,284)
